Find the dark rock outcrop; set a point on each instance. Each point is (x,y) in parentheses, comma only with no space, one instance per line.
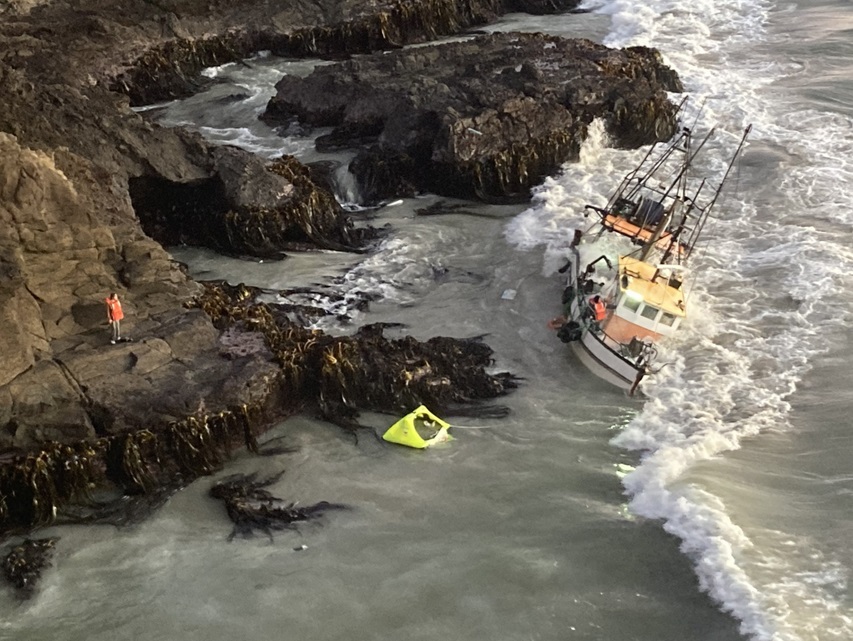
(541,7)
(247,206)
(488,117)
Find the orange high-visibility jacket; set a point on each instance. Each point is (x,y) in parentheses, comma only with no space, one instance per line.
(599,311)
(114,309)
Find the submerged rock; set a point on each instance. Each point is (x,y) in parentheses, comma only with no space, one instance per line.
(488,117)
(24,564)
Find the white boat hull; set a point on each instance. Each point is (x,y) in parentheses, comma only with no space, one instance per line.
(602,359)
(604,363)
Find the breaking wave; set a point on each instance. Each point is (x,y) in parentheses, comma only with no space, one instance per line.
(766,300)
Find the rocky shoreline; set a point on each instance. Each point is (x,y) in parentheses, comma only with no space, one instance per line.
(90,190)
(487,118)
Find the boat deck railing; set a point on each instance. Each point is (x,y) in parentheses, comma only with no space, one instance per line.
(617,348)
(576,311)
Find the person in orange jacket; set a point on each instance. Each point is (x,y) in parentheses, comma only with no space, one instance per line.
(114,316)
(599,310)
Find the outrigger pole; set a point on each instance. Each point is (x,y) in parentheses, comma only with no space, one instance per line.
(725,176)
(689,156)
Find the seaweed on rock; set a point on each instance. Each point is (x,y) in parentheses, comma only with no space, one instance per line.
(365,371)
(24,563)
(171,70)
(338,375)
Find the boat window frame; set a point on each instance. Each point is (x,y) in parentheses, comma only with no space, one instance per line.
(668,316)
(646,306)
(631,304)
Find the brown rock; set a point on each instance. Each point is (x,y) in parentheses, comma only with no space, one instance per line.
(487,117)
(47,406)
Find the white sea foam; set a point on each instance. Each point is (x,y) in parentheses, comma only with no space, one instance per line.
(396,271)
(558,203)
(215,72)
(258,143)
(766,300)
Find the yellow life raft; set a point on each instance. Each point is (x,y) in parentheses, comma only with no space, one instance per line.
(405,431)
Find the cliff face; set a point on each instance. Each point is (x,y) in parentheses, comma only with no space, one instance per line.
(62,250)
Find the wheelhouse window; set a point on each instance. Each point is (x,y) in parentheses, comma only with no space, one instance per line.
(631,303)
(649,312)
(667,319)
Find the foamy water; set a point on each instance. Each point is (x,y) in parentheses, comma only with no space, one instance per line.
(773,262)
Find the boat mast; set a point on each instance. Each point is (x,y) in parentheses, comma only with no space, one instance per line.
(680,179)
(626,185)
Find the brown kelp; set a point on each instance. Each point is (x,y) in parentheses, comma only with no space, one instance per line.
(25,562)
(35,487)
(251,507)
(337,375)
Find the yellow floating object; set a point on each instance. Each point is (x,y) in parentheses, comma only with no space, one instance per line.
(405,431)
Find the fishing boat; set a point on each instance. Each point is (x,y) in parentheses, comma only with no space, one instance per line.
(627,292)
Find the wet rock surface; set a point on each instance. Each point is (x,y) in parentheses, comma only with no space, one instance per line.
(487,118)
